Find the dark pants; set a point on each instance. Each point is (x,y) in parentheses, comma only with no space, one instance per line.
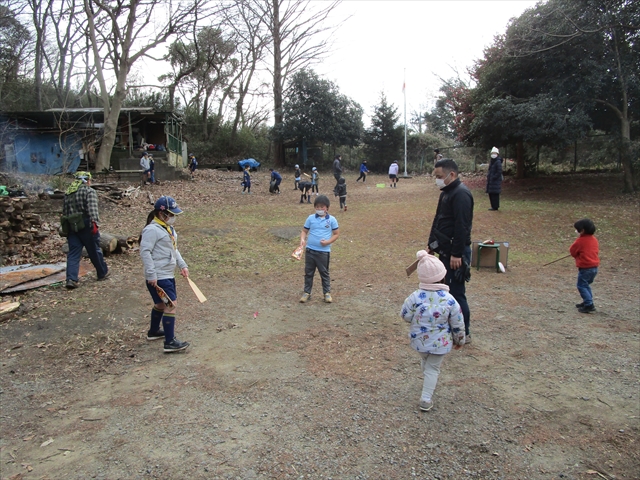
(457,289)
(362,176)
(314,259)
(343,202)
(84,238)
(494,198)
(314,186)
(337,177)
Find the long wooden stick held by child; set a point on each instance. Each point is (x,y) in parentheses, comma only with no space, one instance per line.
(197,291)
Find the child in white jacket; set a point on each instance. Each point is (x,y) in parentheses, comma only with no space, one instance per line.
(436,322)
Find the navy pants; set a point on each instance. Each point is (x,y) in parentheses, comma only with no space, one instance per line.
(456,289)
(494,198)
(84,238)
(585,279)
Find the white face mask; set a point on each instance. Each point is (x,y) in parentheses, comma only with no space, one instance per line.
(440,181)
(494,155)
(171,220)
(321,213)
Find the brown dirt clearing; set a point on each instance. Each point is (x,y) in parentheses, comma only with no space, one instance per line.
(271,388)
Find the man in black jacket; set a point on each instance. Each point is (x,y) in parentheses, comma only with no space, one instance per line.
(450,235)
(337,168)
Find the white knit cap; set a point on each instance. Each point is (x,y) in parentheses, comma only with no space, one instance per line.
(430,269)
(495,150)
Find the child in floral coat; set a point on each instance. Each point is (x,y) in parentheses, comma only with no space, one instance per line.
(436,322)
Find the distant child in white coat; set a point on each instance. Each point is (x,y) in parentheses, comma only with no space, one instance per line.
(436,322)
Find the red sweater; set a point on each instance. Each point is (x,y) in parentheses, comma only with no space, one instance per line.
(585,251)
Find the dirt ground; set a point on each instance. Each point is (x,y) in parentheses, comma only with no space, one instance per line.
(271,388)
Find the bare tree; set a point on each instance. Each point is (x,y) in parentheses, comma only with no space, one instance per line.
(252,39)
(298,38)
(69,38)
(121,34)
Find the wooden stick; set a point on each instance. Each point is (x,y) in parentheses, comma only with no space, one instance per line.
(412,268)
(557,260)
(197,291)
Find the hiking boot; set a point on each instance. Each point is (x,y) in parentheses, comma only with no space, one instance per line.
(580,305)
(107,275)
(71,284)
(467,339)
(587,309)
(155,335)
(305,297)
(175,345)
(425,406)
(327,298)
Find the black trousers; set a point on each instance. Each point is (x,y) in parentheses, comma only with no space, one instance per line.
(456,289)
(314,259)
(362,176)
(494,198)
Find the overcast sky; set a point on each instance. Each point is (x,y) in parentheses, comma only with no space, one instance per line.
(429,39)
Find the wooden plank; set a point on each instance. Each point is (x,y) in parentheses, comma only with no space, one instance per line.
(16,277)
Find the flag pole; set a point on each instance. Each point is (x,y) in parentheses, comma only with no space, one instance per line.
(404,91)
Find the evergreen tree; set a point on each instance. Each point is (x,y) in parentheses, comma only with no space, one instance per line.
(384,140)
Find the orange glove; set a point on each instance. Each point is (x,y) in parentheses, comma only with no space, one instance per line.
(94,228)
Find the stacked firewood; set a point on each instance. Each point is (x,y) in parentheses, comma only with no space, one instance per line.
(19,226)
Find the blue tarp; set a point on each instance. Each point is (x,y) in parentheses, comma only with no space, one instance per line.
(47,154)
(249,161)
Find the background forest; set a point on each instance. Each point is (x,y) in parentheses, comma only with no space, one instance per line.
(558,90)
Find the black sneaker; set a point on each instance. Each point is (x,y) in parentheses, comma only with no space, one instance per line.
(580,305)
(71,284)
(587,309)
(155,335)
(175,346)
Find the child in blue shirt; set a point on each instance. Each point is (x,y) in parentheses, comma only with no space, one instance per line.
(319,232)
(363,172)
(276,178)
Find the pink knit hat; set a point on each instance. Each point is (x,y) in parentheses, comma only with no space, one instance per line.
(430,269)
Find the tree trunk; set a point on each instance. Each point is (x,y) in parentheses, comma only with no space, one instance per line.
(278,147)
(519,160)
(630,180)
(111,124)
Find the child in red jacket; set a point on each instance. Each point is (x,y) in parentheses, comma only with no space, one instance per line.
(585,251)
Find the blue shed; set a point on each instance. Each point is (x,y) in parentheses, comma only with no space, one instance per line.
(46,153)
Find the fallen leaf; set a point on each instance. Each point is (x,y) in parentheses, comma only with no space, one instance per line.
(48,442)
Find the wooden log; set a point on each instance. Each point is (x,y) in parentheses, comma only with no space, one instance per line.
(108,243)
(126,242)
